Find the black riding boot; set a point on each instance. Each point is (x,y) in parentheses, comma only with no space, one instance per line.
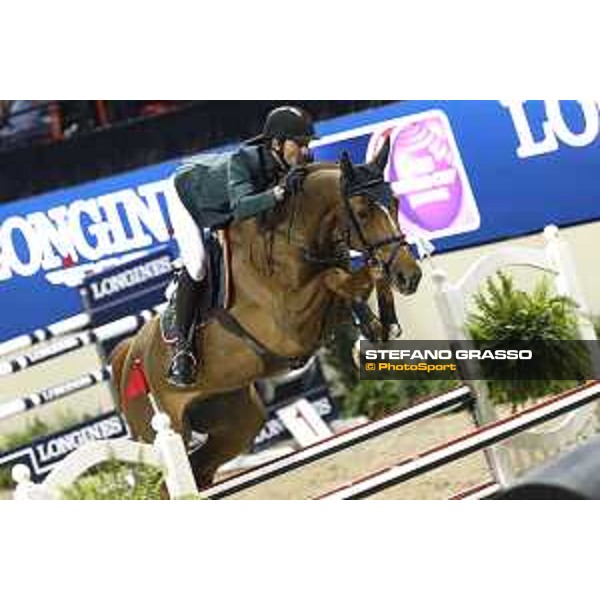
(184,365)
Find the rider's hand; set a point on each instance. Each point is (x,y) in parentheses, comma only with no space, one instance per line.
(293,184)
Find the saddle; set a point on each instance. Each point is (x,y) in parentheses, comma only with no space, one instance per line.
(218,290)
(217,298)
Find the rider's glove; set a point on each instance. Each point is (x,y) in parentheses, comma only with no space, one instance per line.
(293,184)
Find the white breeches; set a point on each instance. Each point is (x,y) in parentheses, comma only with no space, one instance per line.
(188,236)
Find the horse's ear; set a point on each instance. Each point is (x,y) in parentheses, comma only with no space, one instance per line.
(346,166)
(380,161)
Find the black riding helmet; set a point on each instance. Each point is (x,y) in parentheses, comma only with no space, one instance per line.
(286,123)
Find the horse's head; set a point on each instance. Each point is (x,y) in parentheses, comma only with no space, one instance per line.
(370,226)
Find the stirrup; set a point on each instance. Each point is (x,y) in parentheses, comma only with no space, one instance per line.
(183,376)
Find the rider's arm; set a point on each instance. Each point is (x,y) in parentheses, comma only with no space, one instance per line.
(245,202)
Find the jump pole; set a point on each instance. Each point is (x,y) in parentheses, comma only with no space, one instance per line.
(22,342)
(103,333)
(478,492)
(16,406)
(362,433)
(470,443)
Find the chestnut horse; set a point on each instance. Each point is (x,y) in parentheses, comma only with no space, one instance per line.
(292,282)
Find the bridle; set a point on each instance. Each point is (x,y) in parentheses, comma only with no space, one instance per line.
(369,190)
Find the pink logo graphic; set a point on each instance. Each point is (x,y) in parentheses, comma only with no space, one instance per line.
(427,176)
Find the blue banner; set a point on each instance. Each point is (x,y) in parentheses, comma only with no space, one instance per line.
(274,431)
(128,288)
(50,243)
(473,172)
(307,383)
(464,172)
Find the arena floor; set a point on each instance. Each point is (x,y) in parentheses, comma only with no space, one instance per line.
(312,480)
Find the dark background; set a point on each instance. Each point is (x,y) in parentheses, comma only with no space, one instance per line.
(131,142)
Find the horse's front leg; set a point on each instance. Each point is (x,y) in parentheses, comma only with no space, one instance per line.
(356,285)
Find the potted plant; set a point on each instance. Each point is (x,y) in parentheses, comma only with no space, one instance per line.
(509,318)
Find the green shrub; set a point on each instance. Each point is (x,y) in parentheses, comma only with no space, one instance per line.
(6,480)
(596,324)
(376,399)
(117,481)
(35,429)
(373,399)
(112,480)
(505,318)
(337,354)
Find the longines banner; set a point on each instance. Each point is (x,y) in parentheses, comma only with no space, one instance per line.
(46,452)
(465,173)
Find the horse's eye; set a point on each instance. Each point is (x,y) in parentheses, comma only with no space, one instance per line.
(363,214)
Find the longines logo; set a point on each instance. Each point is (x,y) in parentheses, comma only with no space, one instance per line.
(70,238)
(555,128)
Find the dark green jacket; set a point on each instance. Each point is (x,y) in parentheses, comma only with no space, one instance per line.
(219,188)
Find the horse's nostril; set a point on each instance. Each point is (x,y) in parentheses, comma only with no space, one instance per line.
(407,284)
(412,282)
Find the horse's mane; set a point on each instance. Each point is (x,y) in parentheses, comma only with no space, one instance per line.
(319,166)
(322,170)
(322,181)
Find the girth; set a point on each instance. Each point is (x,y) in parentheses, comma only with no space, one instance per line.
(271,360)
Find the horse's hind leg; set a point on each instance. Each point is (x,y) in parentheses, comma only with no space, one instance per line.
(232,421)
(136,411)
(117,362)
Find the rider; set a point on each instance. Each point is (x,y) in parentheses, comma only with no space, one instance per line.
(214,190)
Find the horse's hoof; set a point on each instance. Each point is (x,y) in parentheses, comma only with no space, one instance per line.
(395,331)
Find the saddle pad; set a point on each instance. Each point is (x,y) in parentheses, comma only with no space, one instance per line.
(218,295)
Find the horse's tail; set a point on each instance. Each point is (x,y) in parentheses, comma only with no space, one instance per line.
(117,360)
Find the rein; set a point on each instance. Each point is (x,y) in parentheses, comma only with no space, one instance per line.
(385,301)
